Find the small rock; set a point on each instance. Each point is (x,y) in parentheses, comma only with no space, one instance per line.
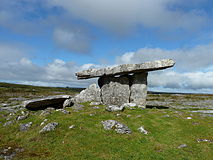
(95,107)
(49,127)
(25,127)
(8,123)
(114,108)
(166,115)
(63,111)
(128,115)
(204,140)
(142,130)
(188,117)
(129,105)
(91,114)
(4,105)
(42,123)
(118,114)
(45,113)
(138,116)
(182,146)
(77,107)
(21,117)
(68,103)
(72,126)
(95,103)
(117,126)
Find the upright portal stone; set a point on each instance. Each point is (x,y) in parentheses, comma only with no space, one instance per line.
(139,89)
(114,90)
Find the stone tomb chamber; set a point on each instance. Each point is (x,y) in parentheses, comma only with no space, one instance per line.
(126,83)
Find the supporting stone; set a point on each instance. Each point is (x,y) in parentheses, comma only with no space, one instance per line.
(114,90)
(138,89)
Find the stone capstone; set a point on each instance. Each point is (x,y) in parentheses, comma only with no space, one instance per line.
(114,90)
(126,69)
(92,93)
(117,126)
(42,103)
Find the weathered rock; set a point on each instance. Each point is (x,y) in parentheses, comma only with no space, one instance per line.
(42,123)
(139,89)
(117,126)
(182,146)
(49,127)
(8,123)
(25,127)
(92,93)
(45,113)
(77,107)
(129,105)
(142,130)
(114,90)
(51,101)
(114,108)
(126,69)
(72,126)
(68,103)
(63,111)
(21,117)
(95,103)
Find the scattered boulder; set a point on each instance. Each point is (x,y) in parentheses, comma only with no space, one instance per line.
(129,105)
(114,90)
(68,102)
(25,127)
(42,123)
(8,123)
(45,113)
(114,108)
(21,117)
(142,130)
(77,107)
(51,101)
(49,127)
(63,111)
(182,146)
(117,126)
(95,103)
(72,126)
(92,93)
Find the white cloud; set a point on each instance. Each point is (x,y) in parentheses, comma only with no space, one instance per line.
(121,16)
(187,59)
(72,39)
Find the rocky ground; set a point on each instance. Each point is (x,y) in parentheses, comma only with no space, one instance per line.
(173,126)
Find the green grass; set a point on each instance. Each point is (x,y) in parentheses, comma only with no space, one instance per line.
(88,140)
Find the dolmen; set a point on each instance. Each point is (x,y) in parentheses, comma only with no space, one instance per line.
(126,83)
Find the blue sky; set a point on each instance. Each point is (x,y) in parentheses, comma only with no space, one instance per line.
(44,42)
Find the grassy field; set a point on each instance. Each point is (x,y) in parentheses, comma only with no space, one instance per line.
(168,129)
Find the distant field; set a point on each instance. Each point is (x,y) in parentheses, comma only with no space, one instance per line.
(172,120)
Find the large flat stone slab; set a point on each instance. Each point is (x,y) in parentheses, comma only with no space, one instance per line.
(42,103)
(126,69)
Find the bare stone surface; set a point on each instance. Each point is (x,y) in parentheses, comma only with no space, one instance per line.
(126,69)
(117,126)
(114,108)
(92,93)
(139,89)
(115,90)
(68,103)
(51,101)
(49,127)
(25,127)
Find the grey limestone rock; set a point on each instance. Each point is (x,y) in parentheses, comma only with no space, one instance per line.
(51,101)
(114,108)
(117,126)
(142,130)
(129,105)
(63,111)
(22,117)
(95,103)
(114,90)
(126,69)
(49,127)
(25,127)
(92,93)
(68,102)
(8,123)
(139,89)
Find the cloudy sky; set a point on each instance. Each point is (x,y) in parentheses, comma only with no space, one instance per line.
(44,42)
